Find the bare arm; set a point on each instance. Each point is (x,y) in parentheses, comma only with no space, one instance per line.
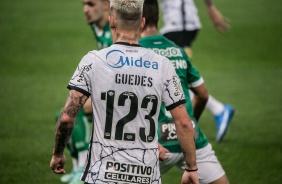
(162,152)
(185,135)
(64,128)
(220,22)
(200,99)
(88,106)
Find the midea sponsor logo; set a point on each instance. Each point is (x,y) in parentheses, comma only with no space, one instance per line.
(117,59)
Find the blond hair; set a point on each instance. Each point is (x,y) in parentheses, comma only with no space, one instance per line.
(128,12)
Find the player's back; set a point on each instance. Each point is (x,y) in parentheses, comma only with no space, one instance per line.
(128,80)
(127,84)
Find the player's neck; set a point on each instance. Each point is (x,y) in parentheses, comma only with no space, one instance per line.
(101,24)
(128,37)
(149,31)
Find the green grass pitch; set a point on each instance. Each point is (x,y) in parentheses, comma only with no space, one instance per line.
(41,42)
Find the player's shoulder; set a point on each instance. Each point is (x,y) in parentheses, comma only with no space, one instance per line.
(91,56)
(98,53)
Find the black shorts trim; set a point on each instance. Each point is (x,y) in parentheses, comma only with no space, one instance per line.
(79,90)
(182,38)
(172,106)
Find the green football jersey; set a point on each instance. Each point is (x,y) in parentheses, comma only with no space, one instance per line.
(189,76)
(103,37)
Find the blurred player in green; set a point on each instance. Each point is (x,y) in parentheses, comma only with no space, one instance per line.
(97,16)
(209,168)
(181,24)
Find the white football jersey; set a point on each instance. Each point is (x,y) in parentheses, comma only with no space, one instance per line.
(179,15)
(127,84)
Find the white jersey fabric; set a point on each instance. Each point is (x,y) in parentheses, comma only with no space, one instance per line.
(179,15)
(127,84)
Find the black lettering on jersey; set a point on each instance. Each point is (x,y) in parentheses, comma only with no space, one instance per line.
(137,79)
(143,81)
(131,114)
(150,83)
(129,168)
(131,79)
(177,85)
(82,71)
(132,51)
(127,178)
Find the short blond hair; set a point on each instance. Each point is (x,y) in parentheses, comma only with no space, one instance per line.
(128,12)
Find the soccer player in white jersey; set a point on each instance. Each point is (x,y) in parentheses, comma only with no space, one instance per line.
(127,84)
(181,25)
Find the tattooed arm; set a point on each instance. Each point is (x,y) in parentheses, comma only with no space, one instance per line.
(64,128)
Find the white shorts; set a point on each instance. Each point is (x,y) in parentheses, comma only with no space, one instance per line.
(209,168)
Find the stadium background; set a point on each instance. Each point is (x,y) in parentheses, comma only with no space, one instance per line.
(41,42)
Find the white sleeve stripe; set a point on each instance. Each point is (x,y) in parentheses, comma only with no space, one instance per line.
(197,83)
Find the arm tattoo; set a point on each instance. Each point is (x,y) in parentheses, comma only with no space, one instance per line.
(126,38)
(64,127)
(62,136)
(74,104)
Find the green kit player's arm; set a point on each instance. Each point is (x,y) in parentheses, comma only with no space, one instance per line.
(198,87)
(200,99)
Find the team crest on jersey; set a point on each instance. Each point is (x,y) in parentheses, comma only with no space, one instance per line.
(118,59)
